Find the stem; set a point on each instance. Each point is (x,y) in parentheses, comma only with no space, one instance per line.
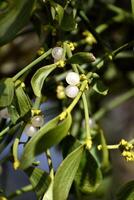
(16,162)
(116,19)
(69,54)
(28,67)
(23,190)
(110,147)
(123,47)
(3,132)
(87,126)
(37,103)
(75,101)
(113,104)
(93,31)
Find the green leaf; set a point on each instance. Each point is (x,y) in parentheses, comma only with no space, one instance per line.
(126,192)
(89,176)
(24,103)
(105,164)
(14,19)
(39,179)
(68,22)
(21,104)
(81,58)
(6,92)
(65,174)
(49,193)
(60,12)
(39,78)
(13,110)
(100,88)
(50,134)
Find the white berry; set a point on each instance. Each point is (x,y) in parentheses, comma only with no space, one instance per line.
(30,130)
(72,78)
(91,123)
(37,121)
(71,91)
(57,53)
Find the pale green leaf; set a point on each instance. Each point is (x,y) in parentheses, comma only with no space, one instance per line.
(39,179)
(6,92)
(65,174)
(49,193)
(81,58)
(20,105)
(24,103)
(39,78)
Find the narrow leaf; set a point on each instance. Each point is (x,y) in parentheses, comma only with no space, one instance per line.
(50,134)
(20,105)
(105,153)
(39,179)
(49,193)
(65,174)
(60,12)
(39,78)
(126,192)
(13,110)
(81,58)
(6,92)
(24,103)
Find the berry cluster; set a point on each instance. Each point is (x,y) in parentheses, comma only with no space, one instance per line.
(73,79)
(31,128)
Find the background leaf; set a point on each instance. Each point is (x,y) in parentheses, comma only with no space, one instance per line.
(68,22)
(132,4)
(50,134)
(6,92)
(81,58)
(39,78)
(66,173)
(14,19)
(89,176)
(100,88)
(39,179)
(126,192)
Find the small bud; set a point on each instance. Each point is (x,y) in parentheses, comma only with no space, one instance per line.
(60,92)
